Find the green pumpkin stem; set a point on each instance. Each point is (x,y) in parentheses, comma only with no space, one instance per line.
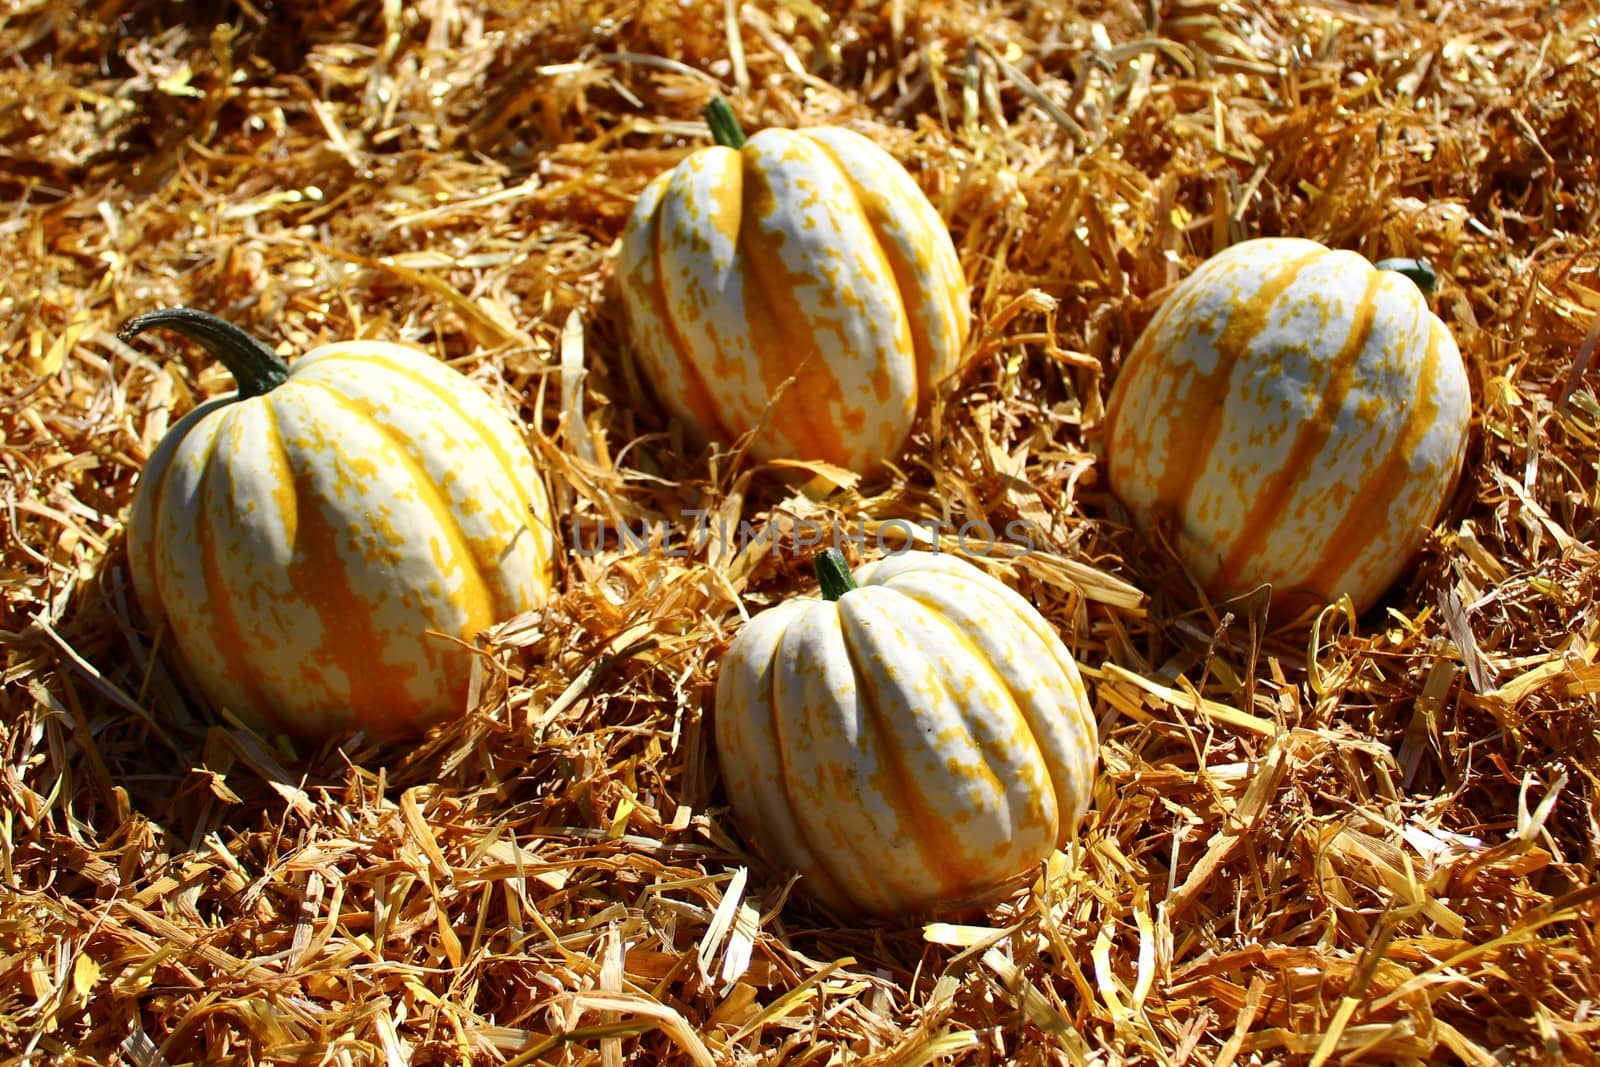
(257,368)
(724,125)
(834,574)
(1419,271)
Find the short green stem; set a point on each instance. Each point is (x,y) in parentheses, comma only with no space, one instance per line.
(724,125)
(257,368)
(1419,271)
(833,573)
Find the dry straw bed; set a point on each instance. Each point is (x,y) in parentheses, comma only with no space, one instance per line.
(1373,845)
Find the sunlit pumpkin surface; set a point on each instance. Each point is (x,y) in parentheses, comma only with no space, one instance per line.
(1297,415)
(808,254)
(300,544)
(915,743)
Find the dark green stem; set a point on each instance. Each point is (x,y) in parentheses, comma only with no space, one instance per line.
(1419,271)
(724,126)
(834,574)
(256,368)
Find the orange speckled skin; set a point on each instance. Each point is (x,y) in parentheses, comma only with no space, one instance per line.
(300,544)
(913,745)
(807,254)
(1298,416)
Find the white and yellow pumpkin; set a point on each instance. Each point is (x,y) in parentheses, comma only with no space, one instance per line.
(319,544)
(804,254)
(1296,417)
(909,742)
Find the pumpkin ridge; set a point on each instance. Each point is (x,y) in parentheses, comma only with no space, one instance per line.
(1061,775)
(1310,437)
(941,856)
(1345,542)
(482,600)
(813,639)
(142,543)
(1179,480)
(911,809)
(872,208)
(238,660)
(749,747)
(815,860)
(318,567)
(976,652)
(535,498)
(1026,613)
(776,322)
(681,353)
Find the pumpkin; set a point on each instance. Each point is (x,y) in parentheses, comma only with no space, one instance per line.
(910,741)
(319,544)
(1294,416)
(797,284)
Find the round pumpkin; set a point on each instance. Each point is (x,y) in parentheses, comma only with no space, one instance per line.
(320,543)
(908,742)
(1292,416)
(804,254)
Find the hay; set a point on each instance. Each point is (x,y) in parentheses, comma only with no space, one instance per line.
(1375,844)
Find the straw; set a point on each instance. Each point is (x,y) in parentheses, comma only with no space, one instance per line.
(1371,841)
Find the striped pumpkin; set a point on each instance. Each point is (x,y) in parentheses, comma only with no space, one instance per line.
(807,254)
(1297,417)
(909,742)
(319,544)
